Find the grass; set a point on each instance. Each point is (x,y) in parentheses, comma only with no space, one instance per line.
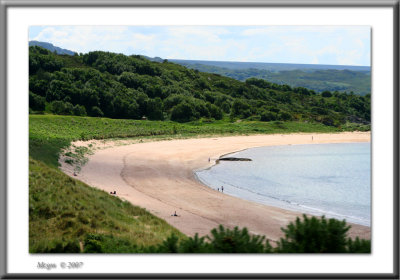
(65,213)
(48,134)
(68,216)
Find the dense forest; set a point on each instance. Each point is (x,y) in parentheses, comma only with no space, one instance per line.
(131,87)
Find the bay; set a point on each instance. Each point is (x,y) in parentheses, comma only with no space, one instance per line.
(319,179)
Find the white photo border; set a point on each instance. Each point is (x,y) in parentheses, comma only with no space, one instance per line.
(384,143)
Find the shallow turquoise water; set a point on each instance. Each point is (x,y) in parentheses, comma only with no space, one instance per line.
(321,179)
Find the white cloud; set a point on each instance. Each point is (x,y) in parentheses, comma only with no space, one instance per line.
(290,44)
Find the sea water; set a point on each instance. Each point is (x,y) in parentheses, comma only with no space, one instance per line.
(320,179)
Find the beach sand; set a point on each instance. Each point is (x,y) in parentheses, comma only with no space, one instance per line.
(159,176)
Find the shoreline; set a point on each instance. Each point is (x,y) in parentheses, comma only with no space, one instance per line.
(278,204)
(160,176)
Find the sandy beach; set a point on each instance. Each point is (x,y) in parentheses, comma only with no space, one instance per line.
(159,176)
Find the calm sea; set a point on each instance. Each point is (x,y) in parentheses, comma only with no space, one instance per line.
(320,179)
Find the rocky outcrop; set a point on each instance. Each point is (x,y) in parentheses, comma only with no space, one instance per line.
(235,159)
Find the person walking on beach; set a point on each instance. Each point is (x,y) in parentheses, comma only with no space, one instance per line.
(222,188)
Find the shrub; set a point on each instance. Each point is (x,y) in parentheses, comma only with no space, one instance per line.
(267,116)
(358,245)
(284,116)
(79,110)
(313,235)
(61,108)
(241,108)
(194,244)
(215,112)
(93,244)
(224,240)
(326,93)
(61,246)
(96,112)
(170,245)
(328,121)
(182,112)
(154,109)
(36,102)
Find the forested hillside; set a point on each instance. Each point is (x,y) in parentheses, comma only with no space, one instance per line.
(132,87)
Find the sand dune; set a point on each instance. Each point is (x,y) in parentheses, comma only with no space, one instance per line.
(159,177)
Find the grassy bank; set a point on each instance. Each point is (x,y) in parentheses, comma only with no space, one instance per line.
(66,215)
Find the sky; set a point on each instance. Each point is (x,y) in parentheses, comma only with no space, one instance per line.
(334,45)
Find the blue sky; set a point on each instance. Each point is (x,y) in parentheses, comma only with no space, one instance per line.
(338,45)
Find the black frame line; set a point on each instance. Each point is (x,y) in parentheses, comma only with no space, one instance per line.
(5,4)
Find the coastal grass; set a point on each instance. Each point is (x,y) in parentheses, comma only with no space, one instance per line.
(48,134)
(65,213)
(68,216)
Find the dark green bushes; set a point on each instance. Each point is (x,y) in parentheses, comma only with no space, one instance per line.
(36,102)
(314,235)
(310,235)
(183,112)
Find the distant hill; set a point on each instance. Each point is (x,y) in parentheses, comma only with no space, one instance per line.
(274,67)
(320,78)
(51,47)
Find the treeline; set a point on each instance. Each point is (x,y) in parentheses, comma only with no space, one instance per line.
(131,87)
(307,235)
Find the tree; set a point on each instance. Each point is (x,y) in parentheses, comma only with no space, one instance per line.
(241,109)
(194,244)
(154,109)
(61,108)
(225,240)
(215,112)
(96,112)
(326,93)
(267,116)
(79,110)
(36,102)
(182,112)
(284,116)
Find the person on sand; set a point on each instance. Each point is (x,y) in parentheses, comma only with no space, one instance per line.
(218,189)
(174,215)
(222,188)
(115,192)
(208,159)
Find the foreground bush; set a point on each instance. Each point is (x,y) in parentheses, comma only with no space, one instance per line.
(314,235)
(309,235)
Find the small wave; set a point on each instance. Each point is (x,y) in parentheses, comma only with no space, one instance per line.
(301,196)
